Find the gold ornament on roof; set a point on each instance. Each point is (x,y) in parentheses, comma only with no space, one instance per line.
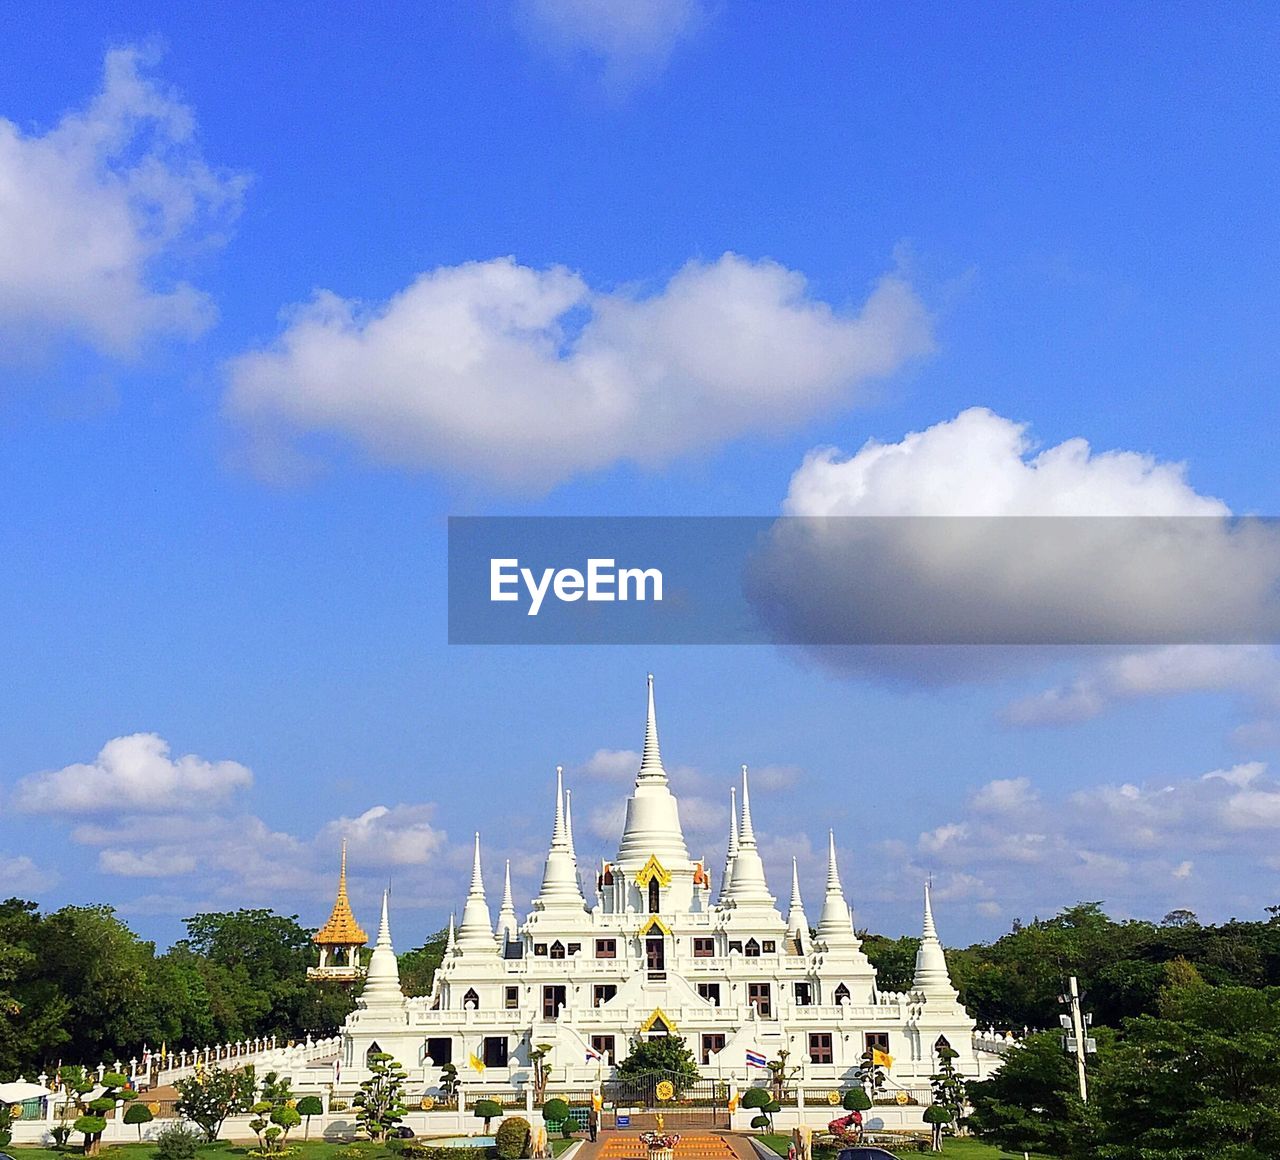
(341,930)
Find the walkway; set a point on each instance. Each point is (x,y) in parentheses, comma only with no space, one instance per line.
(693,1146)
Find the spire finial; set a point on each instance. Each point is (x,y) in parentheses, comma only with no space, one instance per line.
(568,822)
(559,838)
(747,833)
(384,926)
(931,976)
(833,869)
(477,879)
(449,942)
(929,931)
(342,871)
(651,757)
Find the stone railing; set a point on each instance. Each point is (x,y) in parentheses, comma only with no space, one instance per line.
(995,1042)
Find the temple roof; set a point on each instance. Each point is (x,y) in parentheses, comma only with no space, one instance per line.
(341,930)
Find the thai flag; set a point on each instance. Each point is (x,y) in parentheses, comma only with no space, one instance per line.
(755,1059)
(593,1054)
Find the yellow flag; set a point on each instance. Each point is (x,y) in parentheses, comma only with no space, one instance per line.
(477,1064)
(881,1058)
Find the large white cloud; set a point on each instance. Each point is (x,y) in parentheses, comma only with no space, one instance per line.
(520,377)
(936,574)
(402,835)
(133,774)
(91,209)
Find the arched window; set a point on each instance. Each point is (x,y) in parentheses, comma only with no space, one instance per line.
(752,949)
(653,896)
(374,1049)
(557,949)
(941,1044)
(842,994)
(471,999)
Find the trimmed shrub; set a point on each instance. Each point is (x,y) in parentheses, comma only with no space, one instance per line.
(856,1100)
(177,1142)
(759,1121)
(512,1139)
(487,1110)
(756,1097)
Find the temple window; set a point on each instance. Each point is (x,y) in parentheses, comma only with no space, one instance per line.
(735,946)
(704,948)
(604,1044)
(601,993)
(876,1041)
(540,949)
(471,999)
(760,996)
(374,1049)
(710,992)
(557,949)
(804,994)
(752,949)
(842,994)
(654,898)
(942,1043)
(820,1047)
(606,948)
(711,1045)
(769,946)
(440,1050)
(495,1051)
(511,998)
(553,998)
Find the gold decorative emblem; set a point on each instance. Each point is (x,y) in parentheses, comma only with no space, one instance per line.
(154,1109)
(665,1090)
(901,1098)
(833,1098)
(15,1110)
(427,1103)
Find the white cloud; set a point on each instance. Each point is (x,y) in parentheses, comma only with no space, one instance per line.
(92,210)
(517,377)
(611,765)
(629,41)
(942,579)
(1252,671)
(166,862)
(132,774)
(402,835)
(1003,796)
(21,875)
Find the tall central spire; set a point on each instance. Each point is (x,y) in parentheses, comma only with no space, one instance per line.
(651,769)
(652,828)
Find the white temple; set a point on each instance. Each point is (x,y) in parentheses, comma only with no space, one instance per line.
(660,951)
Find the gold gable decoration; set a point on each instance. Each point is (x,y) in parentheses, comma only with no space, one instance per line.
(658,1016)
(654,920)
(653,869)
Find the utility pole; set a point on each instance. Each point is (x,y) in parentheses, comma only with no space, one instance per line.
(1075,1041)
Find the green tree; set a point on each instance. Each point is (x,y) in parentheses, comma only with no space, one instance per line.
(666,1053)
(1204,1081)
(418,967)
(487,1110)
(208,1098)
(92,1121)
(1032,1104)
(541,1070)
(380,1100)
(761,1099)
(6,1119)
(512,1140)
(309,1106)
(949,1087)
(936,1117)
(138,1113)
(449,1082)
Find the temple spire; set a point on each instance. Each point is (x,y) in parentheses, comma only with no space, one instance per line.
(731,850)
(652,827)
(568,821)
(797,922)
(931,975)
(451,942)
(749,885)
(835,926)
(475,934)
(560,888)
(508,923)
(651,758)
(382,981)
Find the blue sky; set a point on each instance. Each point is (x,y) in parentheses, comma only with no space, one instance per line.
(258,340)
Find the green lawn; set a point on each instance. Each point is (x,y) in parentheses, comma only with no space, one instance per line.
(961,1149)
(298,1150)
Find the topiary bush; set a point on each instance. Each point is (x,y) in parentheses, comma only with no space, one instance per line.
(139,1114)
(512,1139)
(309,1106)
(856,1100)
(487,1110)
